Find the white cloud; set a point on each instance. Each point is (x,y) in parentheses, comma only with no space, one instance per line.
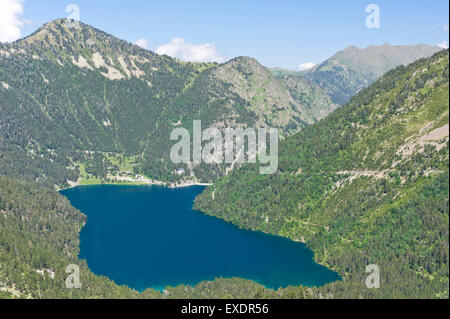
(443,45)
(141,42)
(10,20)
(306,66)
(180,49)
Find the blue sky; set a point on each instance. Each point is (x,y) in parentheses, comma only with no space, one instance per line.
(277,33)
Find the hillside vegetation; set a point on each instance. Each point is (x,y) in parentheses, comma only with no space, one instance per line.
(366,185)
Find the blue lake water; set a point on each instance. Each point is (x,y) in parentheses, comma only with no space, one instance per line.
(149,236)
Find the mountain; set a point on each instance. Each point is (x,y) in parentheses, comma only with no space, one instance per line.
(77,104)
(369,184)
(352,69)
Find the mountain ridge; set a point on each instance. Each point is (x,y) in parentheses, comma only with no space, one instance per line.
(366,185)
(352,69)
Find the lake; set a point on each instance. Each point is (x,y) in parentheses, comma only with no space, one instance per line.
(149,236)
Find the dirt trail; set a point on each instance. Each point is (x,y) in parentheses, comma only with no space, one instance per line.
(436,134)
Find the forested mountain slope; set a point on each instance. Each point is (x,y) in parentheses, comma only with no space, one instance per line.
(366,185)
(78,101)
(352,69)
(39,238)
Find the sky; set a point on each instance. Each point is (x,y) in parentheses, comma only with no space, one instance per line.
(279,33)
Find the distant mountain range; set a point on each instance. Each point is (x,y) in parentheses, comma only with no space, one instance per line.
(352,69)
(79,105)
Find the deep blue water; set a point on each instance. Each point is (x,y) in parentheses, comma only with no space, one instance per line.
(149,236)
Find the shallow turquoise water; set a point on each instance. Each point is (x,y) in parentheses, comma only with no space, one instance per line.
(149,236)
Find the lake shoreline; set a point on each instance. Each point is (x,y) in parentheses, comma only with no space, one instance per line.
(119,180)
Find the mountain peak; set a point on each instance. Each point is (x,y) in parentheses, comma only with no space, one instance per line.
(63,33)
(351,48)
(244,59)
(89,48)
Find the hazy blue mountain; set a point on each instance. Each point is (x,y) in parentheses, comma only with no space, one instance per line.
(77,104)
(352,69)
